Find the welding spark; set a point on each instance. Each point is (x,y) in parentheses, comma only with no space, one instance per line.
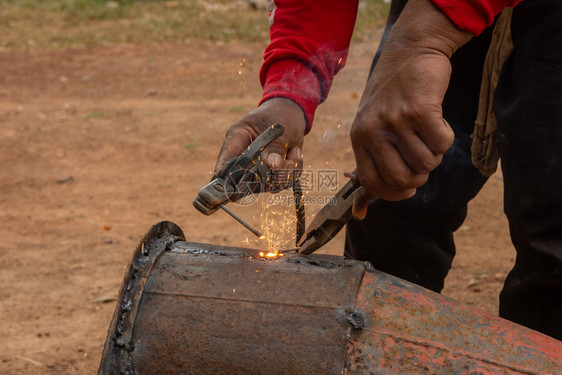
(278,223)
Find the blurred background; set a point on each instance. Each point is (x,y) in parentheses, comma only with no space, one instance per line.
(111,117)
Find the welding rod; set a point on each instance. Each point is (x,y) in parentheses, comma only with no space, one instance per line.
(241,221)
(294,249)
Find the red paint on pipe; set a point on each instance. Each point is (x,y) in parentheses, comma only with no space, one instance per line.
(415,330)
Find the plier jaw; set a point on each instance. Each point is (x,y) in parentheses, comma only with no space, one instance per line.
(330,220)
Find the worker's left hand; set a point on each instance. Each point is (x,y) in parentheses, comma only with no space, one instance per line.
(284,153)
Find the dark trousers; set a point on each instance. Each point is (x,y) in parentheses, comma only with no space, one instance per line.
(413,239)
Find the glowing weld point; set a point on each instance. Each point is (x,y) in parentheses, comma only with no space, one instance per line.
(271,254)
(262,237)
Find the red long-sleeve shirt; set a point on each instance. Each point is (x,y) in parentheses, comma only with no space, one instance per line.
(310,40)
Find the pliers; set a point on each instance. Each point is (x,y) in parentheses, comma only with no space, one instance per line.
(330,220)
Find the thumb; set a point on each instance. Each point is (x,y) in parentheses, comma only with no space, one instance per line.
(361,201)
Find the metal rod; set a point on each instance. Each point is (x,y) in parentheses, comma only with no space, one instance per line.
(241,221)
(294,249)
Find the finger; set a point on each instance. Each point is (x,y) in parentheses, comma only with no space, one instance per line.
(394,170)
(361,201)
(295,157)
(275,153)
(293,161)
(417,155)
(289,170)
(372,181)
(436,133)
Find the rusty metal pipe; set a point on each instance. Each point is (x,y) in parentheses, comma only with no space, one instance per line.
(205,309)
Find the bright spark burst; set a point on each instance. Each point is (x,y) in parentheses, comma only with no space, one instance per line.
(278,222)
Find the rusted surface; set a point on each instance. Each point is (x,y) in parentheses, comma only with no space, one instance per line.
(117,357)
(226,311)
(410,329)
(211,310)
(188,308)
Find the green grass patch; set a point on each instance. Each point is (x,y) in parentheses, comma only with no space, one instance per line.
(190,146)
(84,23)
(93,115)
(237,109)
(75,217)
(370,17)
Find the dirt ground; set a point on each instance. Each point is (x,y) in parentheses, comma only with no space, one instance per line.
(97,145)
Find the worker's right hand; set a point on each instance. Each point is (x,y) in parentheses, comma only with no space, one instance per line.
(283,153)
(399,134)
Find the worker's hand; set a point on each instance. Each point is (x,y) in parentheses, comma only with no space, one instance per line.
(283,153)
(399,134)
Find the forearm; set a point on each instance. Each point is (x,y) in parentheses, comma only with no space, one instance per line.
(399,134)
(309,44)
(423,26)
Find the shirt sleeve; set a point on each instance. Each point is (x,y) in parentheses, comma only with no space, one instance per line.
(473,16)
(309,44)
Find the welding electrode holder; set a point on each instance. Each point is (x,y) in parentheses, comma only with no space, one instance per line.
(244,175)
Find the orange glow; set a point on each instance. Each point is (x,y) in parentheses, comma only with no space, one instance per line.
(270,254)
(262,237)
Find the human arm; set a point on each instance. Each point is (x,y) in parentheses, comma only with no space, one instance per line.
(309,42)
(399,134)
